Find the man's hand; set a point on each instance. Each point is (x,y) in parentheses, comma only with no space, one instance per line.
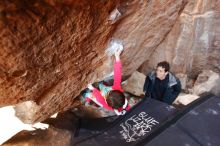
(90,86)
(147,94)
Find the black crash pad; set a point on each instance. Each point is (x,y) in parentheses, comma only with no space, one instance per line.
(134,126)
(200,126)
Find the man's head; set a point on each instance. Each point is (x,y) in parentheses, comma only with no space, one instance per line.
(162,69)
(115,99)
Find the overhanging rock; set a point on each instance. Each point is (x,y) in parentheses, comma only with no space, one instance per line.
(51,50)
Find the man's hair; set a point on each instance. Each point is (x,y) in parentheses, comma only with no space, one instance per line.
(165,65)
(115,99)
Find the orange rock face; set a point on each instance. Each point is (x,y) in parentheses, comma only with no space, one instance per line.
(50,50)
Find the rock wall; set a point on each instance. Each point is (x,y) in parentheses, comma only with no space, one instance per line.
(194,42)
(50,50)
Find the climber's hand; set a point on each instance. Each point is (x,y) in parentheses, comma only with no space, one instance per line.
(118,52)
(90,86)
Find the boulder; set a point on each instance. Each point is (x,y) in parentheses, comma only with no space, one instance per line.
(184,99)
(207,81)
(134,84)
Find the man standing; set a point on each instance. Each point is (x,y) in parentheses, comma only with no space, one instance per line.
(162,85)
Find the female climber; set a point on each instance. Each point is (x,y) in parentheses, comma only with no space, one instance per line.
(110,97)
